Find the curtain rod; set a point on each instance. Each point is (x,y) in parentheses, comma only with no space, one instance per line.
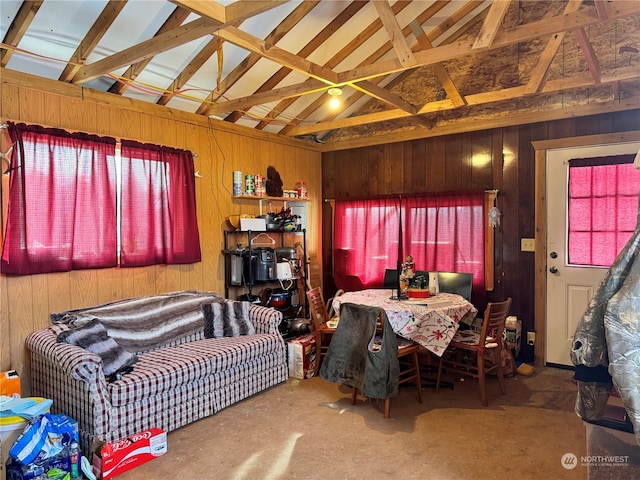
(495,190)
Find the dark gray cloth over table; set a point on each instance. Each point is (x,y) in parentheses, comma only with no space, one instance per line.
(351,359)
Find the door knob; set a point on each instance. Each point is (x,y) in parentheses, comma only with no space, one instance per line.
(553,270)
(553,255)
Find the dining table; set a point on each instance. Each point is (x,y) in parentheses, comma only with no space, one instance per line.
(431,322)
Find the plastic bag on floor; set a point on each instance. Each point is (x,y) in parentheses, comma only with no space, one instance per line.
(44,437)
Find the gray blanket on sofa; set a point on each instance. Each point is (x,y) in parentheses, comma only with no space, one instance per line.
(144,323)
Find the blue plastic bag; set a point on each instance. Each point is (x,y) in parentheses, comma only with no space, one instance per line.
(44,437)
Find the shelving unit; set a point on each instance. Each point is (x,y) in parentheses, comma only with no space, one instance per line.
(247,240)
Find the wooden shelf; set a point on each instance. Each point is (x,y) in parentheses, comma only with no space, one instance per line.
(261,200)
(275,199)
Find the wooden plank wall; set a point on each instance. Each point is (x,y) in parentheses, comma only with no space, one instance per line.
(26,301)
(501,158)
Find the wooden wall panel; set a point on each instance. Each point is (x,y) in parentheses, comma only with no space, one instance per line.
(27,301)
(501,158)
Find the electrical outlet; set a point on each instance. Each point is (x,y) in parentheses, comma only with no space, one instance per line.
(528,244)
(531,338)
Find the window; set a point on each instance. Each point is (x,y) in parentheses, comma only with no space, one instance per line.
(63,200)
(602,208)
(443,232)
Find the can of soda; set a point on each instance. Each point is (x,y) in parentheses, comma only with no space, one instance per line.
(260,186)
(249,185)
(237,183)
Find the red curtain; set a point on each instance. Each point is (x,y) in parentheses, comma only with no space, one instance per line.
(62,202)
(603,207)
(443,232)
(365,241)
(159,223)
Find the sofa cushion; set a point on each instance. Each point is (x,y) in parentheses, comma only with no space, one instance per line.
(228,318)
(159,371)
(93,336)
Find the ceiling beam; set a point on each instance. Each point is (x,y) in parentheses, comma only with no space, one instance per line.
(577,81)
(522,33)
(314,44)
(333,62)
(213,20)
(394,32)
(190,70)
(213,10)
(176,18)
(96,32)
(553,45)
(278,55)
(243,9)
(237,11)
(245,65)
(243,103)
(547,27)
(426,16)
(18,27)
(589,55)
(379,93)
(485,122)
(492,23)
(149,48)
(601,7)
(441,72)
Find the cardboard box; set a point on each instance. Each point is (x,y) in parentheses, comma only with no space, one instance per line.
(302,356)
(115,458)
(512,334)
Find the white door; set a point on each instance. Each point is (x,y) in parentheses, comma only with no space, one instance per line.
(569,288)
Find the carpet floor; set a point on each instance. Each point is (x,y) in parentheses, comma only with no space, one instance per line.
(308,429)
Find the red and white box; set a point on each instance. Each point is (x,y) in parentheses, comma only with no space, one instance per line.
(117,457)
(302,356)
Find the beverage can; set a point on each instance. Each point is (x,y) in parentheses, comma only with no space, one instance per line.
(249,185)
(301,189)
(260,186)
(74,459)
(237,183)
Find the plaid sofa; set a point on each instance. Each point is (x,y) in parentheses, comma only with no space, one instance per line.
(171,384)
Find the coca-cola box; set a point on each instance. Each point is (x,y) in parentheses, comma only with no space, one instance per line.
(117,457)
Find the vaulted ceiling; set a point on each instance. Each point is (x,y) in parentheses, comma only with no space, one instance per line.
(404,69)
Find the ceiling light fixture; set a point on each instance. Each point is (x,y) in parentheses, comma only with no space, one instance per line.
(334,92)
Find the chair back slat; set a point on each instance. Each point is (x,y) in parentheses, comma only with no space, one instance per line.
(495,317)
(318,307)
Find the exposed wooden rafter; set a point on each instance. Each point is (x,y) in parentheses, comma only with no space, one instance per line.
(18,27)
(492,23)
(396,37)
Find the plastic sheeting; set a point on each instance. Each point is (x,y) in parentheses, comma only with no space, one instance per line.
(606,344)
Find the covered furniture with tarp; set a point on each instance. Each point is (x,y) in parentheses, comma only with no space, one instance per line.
(606,344)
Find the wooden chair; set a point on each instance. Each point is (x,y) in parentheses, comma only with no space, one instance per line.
(465,355)
(323,325)
(409,365)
